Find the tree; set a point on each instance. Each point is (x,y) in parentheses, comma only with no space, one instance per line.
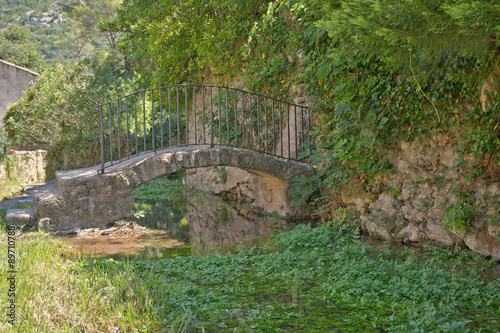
(93,18)
(75,40)
(15,48)
(3,144)
(185,41)
(61,102)
(418,35)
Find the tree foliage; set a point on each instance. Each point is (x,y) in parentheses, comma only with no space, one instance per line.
(90,19)
(389,31)
(15,48)
(60,105)
(189,41)
(3,144)
(397,71)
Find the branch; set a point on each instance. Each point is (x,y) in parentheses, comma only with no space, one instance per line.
(423,93)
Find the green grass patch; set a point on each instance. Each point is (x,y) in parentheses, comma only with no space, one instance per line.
(168,188)
(10,188)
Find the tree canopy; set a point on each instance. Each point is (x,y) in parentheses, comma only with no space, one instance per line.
(15,48)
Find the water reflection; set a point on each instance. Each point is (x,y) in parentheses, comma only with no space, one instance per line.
(209,224)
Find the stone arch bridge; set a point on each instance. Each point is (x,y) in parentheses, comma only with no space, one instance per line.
(160,131)
(83,198)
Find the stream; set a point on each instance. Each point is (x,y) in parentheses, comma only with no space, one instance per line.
(201,225)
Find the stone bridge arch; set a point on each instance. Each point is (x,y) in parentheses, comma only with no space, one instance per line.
(84,198)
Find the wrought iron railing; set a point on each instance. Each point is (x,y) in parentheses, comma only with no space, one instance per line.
(201,115)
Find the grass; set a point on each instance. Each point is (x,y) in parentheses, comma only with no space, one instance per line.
(168,188)
(309,280)
(58,291)
(10,188)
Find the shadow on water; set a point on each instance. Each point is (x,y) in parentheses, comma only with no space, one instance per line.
(208,225)
(199,225)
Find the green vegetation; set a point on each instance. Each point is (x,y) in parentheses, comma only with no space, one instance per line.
(375,80)
(169,188)
(17,49)
(61,31)
(57,114)
(10,188)
(310,279)
(3,145)
(385,81)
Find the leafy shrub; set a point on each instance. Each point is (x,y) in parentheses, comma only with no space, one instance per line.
(3,144)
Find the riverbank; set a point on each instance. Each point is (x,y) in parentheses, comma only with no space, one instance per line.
(307,280)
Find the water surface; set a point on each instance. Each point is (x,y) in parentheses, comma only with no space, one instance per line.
(201,225)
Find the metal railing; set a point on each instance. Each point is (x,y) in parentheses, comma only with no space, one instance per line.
(201,115)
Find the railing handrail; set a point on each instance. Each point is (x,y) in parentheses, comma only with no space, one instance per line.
(235,117)
(195,85)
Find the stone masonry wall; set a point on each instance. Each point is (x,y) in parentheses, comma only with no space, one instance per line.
(26,165)
(429,188)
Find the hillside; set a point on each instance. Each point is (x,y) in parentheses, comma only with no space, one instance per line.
(50,29)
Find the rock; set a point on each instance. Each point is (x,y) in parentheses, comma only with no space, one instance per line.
(411,232)
(403,167)
(361,205)
(412,214)
(494,231)
(20,216)
(449,158)
(436,231)
(374,229)
(387,205)
(212,179)
(45,224)
(484,244)
(436,213)
(494,189)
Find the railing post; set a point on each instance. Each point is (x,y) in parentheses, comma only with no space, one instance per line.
(220,120)
(211,118)
(135,113)
(288,125)
(251,128)
(194,116)
(161,118)
(203,113)
(153,119)
(243,118)
(102,141)
(119,132)
(178,120)
(187,113)
(128,129)
(227,115)
(274,129)
(235,119)
(144,119)
(110,134)
(281,129)
(296,138)
(169,119)
(258,122)
(302,127)
(267,127)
